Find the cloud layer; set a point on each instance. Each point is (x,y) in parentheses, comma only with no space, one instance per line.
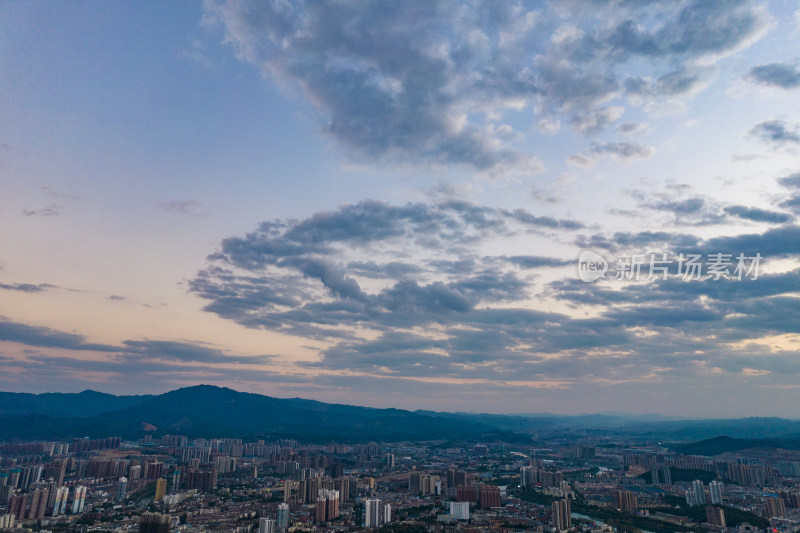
(429,305)
(433,83)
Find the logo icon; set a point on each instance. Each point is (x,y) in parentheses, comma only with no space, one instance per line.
(591,266)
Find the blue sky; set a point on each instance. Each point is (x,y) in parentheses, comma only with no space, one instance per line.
(384,203)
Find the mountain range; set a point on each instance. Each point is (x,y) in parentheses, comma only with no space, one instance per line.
(210,411)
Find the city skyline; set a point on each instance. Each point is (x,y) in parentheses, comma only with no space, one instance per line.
(385,205)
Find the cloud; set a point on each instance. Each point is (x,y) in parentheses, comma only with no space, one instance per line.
(686,80)
(307,277)
(463,315)
(595,121)
(785,75)
(182,207)
(46,337)
(776,132)
(632,128)
(52,210)
(791,181)
(535,261)
(187,352)
(27,287)
(432,82)
(623,151)
(758,215)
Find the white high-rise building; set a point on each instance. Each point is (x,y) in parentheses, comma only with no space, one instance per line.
(699,492)
(283,517)
(527,476)
(372,512)
(123,489)
(266,525)
(459,510)
(715,492)
(7,521)
(78,499)
(60,503)
(387,513)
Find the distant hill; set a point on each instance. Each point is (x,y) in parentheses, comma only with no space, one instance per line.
(724,444)
(57,404)
(207,411)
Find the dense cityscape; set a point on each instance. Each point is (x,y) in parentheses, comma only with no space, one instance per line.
(559,481)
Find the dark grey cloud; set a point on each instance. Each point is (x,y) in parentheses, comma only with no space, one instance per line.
(694,210)
(785,75)
(187,352)
(391,270)
(545,221)
(536,261)
(690,206)
(758,215)
(430,82)
(47,337)
(776,242)
(27,287)
(776,132)
(792,203)
(783,241)
(43,337)
(52,210)
(791,181)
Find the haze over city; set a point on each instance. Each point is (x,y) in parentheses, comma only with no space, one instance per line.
(383,204)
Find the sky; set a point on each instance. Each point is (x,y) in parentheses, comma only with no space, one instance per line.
(385,203)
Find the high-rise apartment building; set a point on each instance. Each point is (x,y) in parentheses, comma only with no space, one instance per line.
(625,500)
(161,489)
(715,492)
(78,499)
(17,505)
(715,516)
(372,513)
(327,505)
(38,503)
(562,515)
(283,517)
(459,510)
(154,470)
(154,523)
(527,476)
(60,503)
(266,525)
(774,508)
(122,489)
